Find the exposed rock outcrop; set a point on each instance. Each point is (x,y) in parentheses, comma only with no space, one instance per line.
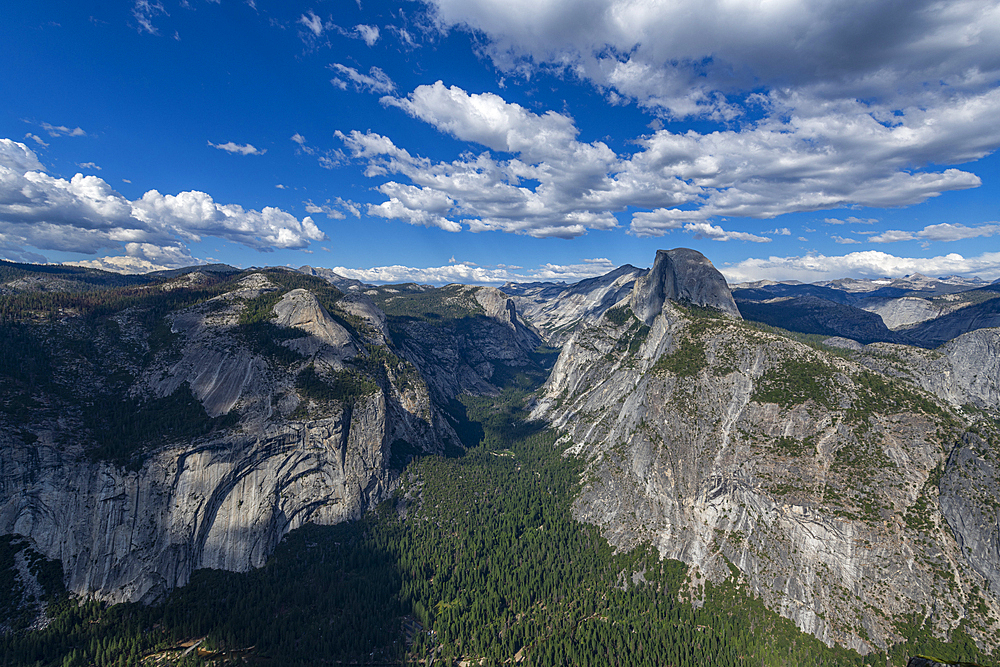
(932,333)
(963,371)
(481,336)
(907,310)
(681,274)
(811,474)
(225,498)
(222,502)
(971,505)
(812,315)
(555,309)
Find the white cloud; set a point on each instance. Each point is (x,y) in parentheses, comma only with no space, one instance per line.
(417,206)
(17,157)
(942,232)
(704,230)
(816,157)
(851,220)
(326,209)
(844,240)
(866,264)
(242,149)
(88,165)
(685,56)
(142,258)
(304,146)
(892,236)
(85,214)
(957,232)
(780,231)
(312,23)
(469,273)
(488,120)
(36,139)
(367,33)
(194,214)
(62,130)
(143,11)
(376,81)
(859,101)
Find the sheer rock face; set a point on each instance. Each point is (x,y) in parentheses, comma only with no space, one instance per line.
(812,474)
(300,309)
(965,371)
(461,355)
(223,500)
(555,309)
(973,515)
(224,503)
(906,311)
(681,274)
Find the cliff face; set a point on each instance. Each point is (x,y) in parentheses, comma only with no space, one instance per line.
(555,309)
(680,274)
(815,475)
(462,339)
(222,502)
(281,451)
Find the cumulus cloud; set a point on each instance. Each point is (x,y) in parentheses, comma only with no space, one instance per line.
(704,230)
(942,232)
(369,34)
(241,149)
(819,105)
(844,240)
(194,214)
(685,57)
(376,81)
(88,165)
(546,182)
(85,214)
(17,157)
(142,258)
(865,264)
(469,273)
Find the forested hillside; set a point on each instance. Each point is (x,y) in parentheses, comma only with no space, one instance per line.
(471,556)
(476,556)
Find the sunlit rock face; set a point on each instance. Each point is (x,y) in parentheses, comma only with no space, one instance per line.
(222,503)
(682,275)
(556,309)
(840,490)
(226,498)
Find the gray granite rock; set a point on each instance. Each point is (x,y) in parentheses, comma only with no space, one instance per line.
(683,275)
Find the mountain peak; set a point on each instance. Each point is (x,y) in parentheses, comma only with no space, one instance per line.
(681,274)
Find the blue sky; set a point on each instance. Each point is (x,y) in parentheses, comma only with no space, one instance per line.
(492,140)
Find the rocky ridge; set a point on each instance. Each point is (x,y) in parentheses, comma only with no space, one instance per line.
(286,454)
(815,475)
(555,309)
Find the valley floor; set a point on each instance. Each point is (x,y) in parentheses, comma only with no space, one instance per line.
(476,559)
